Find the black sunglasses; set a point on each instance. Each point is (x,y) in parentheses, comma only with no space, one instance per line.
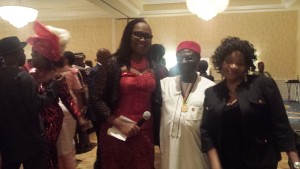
(140,35)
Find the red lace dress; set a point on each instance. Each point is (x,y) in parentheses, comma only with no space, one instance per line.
(52,116)
(136,152)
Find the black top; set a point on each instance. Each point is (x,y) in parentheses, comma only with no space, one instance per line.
(230,149)
(97,111)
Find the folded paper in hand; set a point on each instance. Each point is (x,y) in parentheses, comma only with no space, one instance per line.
(114,132)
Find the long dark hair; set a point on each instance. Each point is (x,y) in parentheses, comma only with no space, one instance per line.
(124,50)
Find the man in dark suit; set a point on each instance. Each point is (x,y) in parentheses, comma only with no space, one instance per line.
(96,84)
(22,138)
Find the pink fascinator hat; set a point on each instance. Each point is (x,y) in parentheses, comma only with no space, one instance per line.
(49,41)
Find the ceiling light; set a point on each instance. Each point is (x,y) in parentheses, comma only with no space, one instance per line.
(206,9)
(18,16)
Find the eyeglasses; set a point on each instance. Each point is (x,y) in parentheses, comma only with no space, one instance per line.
(187,55)
(187,58)
(140,35)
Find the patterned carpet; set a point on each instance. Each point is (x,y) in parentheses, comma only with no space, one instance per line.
(293,112)
(86,160)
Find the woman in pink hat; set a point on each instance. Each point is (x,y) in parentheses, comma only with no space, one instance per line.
(46,53)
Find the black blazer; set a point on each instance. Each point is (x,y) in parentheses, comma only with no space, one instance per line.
(97,110)
(265,127)
(21,129)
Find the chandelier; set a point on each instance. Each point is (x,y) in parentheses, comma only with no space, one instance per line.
(206,9)
(18,16)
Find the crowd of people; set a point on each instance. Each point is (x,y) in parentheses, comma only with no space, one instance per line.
(134,103)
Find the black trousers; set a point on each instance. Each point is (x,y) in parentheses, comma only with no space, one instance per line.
(266,167)
(97,126)
(37,161)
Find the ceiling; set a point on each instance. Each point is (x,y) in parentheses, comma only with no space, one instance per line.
(83,9)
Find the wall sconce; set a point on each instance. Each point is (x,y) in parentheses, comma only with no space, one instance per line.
(18,16)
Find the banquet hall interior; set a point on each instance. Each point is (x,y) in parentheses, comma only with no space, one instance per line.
(273,26)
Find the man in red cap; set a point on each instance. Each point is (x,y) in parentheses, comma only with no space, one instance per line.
(21,133)
(181,112)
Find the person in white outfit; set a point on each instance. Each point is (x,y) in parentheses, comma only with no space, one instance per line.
(181,112)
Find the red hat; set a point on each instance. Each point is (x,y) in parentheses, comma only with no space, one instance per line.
(191,45)
(45,42)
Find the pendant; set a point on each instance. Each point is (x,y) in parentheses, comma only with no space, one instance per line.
(184,108)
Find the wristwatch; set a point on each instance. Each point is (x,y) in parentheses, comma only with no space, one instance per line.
(297,165)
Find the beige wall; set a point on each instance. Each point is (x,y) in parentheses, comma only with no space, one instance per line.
(298,44)
(274,34)
(87,36)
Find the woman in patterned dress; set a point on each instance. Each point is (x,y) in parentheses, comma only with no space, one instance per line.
(46,52)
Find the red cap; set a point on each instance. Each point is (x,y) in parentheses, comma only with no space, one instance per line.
(191,45)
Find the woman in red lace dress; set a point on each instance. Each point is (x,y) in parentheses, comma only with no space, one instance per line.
(45,54)
(132,89)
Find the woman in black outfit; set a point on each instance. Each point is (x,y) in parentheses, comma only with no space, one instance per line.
(245,125)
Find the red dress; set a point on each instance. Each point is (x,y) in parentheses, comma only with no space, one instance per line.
(52,116)
(136,152)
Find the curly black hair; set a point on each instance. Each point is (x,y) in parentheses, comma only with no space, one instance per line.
(231,44)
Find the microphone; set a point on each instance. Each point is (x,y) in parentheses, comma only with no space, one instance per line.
(146,116)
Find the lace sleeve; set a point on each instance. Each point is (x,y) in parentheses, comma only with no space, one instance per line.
(97,81)
(67,100)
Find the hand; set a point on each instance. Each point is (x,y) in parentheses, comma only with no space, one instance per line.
(129,129)
(214,160)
